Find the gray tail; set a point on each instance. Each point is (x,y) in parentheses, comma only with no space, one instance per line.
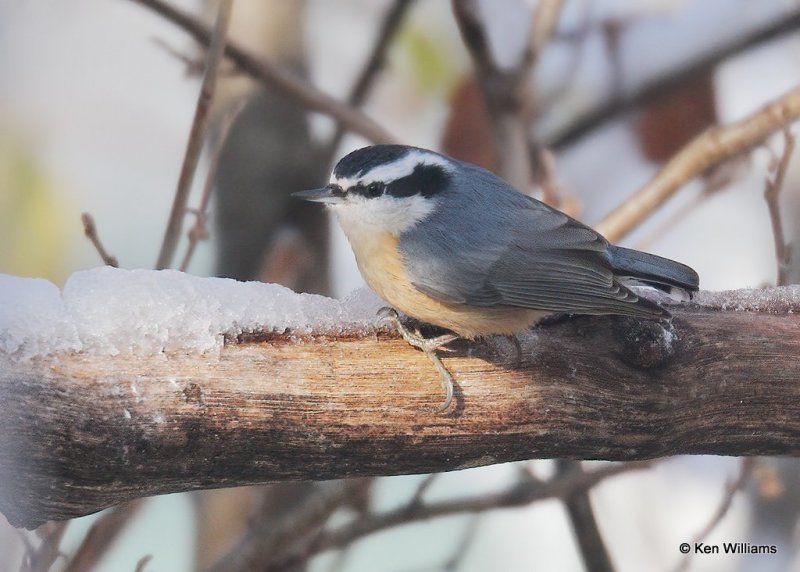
(651,270)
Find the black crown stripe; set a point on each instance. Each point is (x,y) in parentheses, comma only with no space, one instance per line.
(363,160)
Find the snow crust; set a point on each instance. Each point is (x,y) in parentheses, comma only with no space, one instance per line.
(771,300)
(776,300)
(112,311)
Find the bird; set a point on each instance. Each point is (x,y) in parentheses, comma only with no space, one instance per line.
(452,244)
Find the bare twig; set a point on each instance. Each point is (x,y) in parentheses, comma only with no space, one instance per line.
(277,76)
(24,538)
(772,190)
(669,223)
(143,561)
(547,180)
(467,538)
(558,90)
(263,539)
(216,51)
(199,230)
(545,22)
(707,150)
(422,488)
(90,230)
(746,467)
(194,65)
(650,91)
(43,557)
(612,32)
(715,180)
(391,23)
(509,97)
(523,493)
(584,524)
(102,535)
(768,481)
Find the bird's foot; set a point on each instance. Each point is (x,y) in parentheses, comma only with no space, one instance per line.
(427,345)
(415,338)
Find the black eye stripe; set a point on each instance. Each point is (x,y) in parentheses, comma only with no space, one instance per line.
(425,180)
(371,190)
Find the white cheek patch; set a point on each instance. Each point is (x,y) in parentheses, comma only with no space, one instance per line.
(398,169)
(359,215)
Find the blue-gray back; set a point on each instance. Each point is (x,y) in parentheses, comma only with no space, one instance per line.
(493,246)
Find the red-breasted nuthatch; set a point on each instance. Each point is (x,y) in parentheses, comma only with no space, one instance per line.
(451,244)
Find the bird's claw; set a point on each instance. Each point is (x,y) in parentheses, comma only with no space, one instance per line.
(427,345)
(387,313)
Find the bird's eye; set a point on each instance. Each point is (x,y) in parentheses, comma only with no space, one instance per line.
(374,189)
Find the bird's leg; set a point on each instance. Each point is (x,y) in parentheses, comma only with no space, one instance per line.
(427,345)
(518,346)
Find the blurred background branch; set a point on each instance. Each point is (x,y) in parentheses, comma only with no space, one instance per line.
(277,76)
(714,146)
(216,50)
(394,17)
(652,91)
(773,187)
(523,492)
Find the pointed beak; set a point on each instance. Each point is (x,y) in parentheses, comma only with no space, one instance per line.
(323,195)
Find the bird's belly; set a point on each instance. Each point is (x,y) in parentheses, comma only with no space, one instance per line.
(383,268)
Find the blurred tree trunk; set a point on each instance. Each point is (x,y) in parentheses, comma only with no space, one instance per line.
(261,232)
(264,234)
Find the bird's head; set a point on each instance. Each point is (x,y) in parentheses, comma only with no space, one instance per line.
(390,187)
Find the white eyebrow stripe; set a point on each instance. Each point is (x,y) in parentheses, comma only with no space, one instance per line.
(395,170)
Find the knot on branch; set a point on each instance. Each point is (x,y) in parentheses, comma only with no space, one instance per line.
(644,344)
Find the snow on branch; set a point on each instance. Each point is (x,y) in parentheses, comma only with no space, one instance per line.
(134,383)
(111,311)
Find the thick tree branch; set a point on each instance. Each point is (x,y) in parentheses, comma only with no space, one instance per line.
(710,148)
(276,76)
(84,432)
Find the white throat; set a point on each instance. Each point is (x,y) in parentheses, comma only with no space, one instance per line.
(361,217)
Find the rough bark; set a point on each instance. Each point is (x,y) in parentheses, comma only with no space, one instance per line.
(84,432)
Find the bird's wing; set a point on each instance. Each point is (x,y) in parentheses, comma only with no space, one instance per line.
(530,256)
